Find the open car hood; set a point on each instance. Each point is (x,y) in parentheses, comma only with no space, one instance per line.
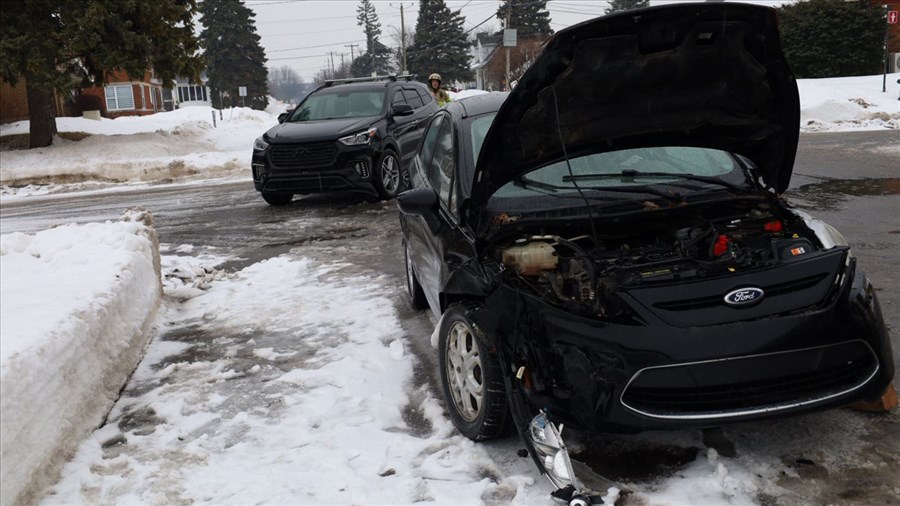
(701,75)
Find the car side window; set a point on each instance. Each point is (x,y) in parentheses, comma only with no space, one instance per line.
(441,169)
(398,98)
(412,98)
(425,154)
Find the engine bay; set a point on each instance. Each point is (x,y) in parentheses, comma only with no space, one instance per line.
(579,272)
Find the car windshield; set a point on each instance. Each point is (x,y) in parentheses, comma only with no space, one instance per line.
(478,129)
(339,103)
(629,170)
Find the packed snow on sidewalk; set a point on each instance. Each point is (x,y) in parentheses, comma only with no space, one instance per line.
(288,382)
(76,305)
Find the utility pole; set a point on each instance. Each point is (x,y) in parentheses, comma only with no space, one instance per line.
(351,46)
(506,27)
(402,42)
(332,63)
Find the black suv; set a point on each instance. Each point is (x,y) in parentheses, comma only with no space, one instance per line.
(348,135)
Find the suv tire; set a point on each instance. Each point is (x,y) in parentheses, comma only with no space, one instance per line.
(388,175)
(277,198)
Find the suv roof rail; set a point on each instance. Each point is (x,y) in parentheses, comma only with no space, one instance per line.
(392,77)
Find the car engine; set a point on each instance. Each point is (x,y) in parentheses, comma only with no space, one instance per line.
(580,272)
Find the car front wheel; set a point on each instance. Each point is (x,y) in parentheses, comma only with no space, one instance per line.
(471,378)
(277,198)
(388,175)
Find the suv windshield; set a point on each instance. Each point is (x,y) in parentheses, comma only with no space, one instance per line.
(629,168)
(339,103)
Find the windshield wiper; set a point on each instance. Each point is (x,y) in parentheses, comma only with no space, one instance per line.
(631,173)
(551,189)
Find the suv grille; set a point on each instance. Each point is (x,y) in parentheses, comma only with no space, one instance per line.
(301,156)
(753,384)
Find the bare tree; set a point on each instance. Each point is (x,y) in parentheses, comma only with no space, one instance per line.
(284,83)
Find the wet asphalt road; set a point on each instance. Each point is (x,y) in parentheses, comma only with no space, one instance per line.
(850,180)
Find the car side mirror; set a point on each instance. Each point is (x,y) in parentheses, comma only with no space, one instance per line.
(402,110)
(419,202)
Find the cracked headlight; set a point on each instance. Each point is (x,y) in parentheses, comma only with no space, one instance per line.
(259,144)
(358,139)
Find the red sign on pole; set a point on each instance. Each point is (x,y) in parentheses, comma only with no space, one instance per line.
(892,17)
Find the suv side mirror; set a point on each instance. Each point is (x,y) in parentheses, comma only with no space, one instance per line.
(419,202)
(402,110)
(283,116)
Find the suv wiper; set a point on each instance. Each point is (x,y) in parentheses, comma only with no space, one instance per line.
(551,189)
(631,173)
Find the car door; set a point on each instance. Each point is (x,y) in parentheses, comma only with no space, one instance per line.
(420,231)
(439,247)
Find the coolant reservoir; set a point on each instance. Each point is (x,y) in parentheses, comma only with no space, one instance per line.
(530,259)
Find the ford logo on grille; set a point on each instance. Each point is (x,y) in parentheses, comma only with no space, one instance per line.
(744,296)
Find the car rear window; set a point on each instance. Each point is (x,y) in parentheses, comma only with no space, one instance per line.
(339,103)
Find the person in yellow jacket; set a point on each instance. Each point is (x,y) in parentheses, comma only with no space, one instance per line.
(434,84)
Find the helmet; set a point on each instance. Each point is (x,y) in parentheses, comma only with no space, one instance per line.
(435,77)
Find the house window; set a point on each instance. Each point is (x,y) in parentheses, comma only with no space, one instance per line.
(119,98)
(189,93)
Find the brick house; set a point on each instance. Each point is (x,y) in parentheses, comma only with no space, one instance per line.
(125,96)
(14,102)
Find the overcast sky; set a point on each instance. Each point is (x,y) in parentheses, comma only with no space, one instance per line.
(301,33)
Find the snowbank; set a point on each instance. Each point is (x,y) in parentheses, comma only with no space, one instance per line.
(169,145)
(849,103)
(76,306)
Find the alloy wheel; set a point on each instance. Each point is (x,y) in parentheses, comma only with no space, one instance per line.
(464,372)
(390,174)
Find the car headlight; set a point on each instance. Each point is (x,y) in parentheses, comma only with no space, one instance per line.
(358,139)
(259,144)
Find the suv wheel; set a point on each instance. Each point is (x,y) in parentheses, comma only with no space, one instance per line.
(388,175)
(471,378)
(277,198)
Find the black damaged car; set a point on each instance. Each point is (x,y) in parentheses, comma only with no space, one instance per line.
(607,247)
(354,135)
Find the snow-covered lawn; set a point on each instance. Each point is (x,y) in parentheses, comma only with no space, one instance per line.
(76,305)
(849,103)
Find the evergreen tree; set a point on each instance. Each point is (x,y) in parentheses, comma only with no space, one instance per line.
(50,43)
(626,5)
(367,18)
(234,57)
(439,44)
(832,38)
(363,65)
(528,17)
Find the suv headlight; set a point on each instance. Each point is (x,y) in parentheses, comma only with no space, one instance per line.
(259,144)
(358,139)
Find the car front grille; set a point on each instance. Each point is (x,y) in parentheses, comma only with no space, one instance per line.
(300,156)
(750,385)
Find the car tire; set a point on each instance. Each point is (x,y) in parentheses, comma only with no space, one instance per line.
(388,175)
(417,298)
(277,198)
(471,378)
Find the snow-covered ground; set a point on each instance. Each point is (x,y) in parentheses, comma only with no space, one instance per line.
(77,305)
